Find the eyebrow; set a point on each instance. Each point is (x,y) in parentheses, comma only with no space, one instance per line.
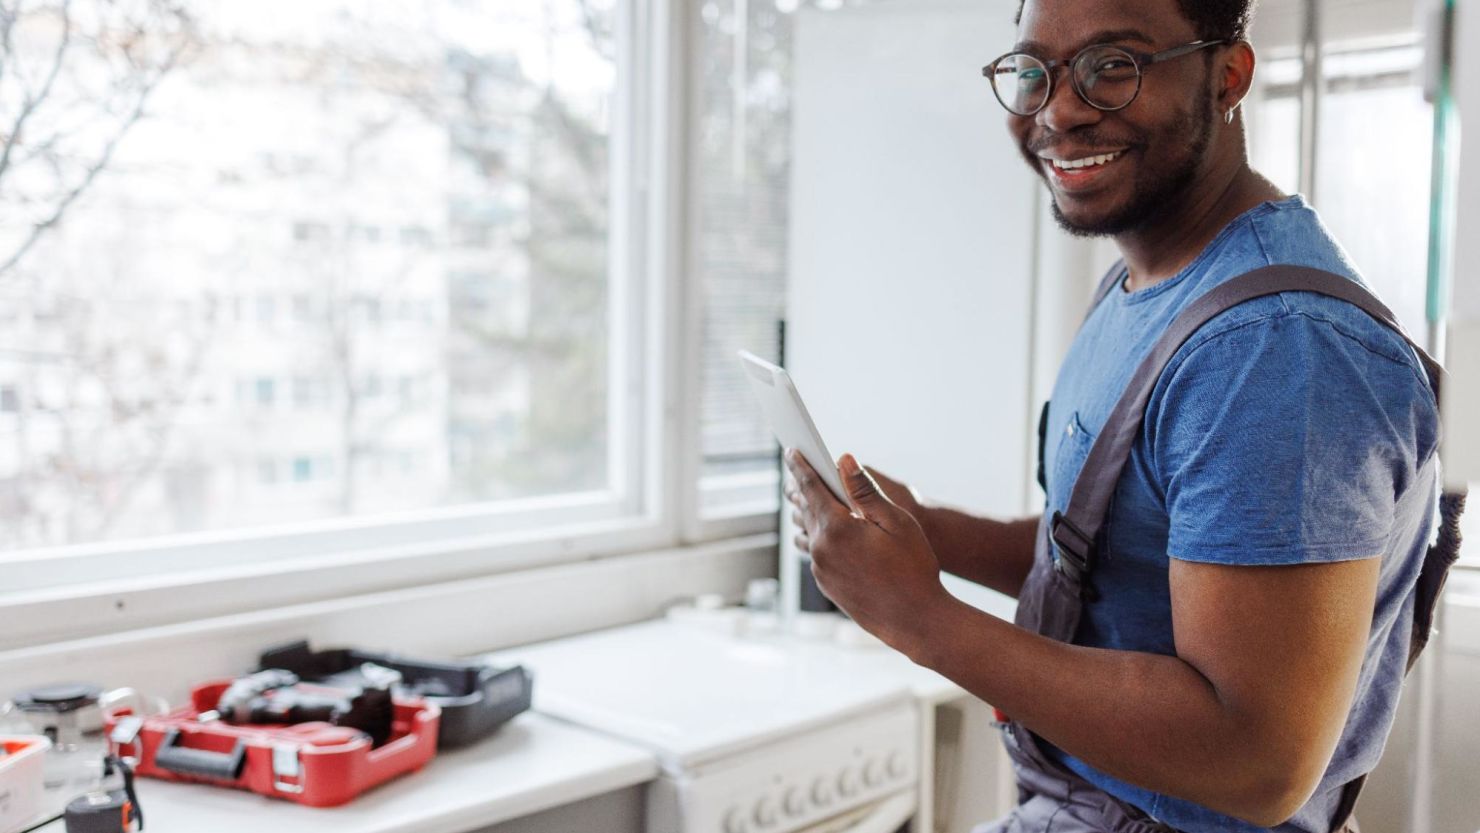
(1107,36)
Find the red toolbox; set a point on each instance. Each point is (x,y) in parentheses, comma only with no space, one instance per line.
(317,764)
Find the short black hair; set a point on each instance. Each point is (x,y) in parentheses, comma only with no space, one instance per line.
(1211,19)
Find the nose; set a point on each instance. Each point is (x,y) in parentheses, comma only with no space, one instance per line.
(1065,109)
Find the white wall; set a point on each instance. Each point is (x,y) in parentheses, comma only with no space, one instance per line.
(919,330)
(912,229)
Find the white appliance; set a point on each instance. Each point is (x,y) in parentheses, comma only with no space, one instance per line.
(753,734)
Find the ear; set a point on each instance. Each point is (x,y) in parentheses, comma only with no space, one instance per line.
(1233,75)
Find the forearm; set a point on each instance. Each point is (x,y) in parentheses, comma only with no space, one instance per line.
(1149,720)
(995,554)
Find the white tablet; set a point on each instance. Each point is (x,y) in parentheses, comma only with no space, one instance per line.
(789,419)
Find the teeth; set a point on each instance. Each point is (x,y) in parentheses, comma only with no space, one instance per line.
(1086,162)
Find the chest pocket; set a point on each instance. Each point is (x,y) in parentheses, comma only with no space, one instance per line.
(1074,443)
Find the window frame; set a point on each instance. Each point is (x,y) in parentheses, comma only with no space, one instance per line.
(79,591)
(751,503)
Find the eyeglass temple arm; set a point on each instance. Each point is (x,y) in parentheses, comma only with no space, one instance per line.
(1179,51)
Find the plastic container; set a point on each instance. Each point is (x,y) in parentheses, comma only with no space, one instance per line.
(21,780)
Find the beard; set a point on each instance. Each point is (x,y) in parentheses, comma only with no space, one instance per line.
(1155,192)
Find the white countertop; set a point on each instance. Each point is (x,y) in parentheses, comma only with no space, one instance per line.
(701,686)
(532,764)
(695,696)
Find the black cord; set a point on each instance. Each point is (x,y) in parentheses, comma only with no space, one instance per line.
(41,824)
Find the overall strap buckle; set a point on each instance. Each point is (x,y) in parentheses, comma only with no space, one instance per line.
(1075,547)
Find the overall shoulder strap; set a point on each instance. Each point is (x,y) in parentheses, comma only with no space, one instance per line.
(1076,529)
(1075,532)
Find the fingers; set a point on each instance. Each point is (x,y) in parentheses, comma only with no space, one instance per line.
(865,495)
(792,495)
(812,491)
(803,542)
(881,478)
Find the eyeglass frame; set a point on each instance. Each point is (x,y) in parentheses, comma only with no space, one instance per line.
(1140,59)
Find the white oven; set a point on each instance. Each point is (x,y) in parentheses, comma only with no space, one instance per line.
(753,735)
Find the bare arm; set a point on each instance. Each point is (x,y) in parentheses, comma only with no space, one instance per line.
(1244,717)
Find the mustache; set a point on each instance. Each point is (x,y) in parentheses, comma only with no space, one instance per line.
(1088,137)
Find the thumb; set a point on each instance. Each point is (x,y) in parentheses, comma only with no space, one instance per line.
(864,493)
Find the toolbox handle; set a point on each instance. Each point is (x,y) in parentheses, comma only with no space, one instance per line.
(226,766)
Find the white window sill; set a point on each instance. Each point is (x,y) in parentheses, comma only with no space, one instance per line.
(450,618)
(191,592)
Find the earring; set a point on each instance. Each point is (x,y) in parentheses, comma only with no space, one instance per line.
(1228,117)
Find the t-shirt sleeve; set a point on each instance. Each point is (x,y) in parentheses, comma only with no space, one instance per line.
(1284,440)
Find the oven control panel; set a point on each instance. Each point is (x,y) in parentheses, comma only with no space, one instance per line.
(794,783)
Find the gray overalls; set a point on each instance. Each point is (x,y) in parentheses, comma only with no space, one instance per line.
(1052,798)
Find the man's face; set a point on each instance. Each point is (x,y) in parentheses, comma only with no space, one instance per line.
(1160,142)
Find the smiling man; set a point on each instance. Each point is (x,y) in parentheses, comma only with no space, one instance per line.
(1234,659)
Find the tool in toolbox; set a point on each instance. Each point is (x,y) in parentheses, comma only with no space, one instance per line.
(273,697)
(314,763)
(476,697)
(107,811)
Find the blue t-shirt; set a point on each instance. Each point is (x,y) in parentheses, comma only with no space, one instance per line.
(1290,429)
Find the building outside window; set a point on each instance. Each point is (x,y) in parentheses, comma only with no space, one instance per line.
(449,151)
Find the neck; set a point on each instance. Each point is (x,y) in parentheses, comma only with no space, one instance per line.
(1162,248)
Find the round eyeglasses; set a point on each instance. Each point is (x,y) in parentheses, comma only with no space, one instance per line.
(1106,77)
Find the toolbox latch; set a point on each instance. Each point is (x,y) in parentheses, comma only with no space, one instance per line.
(287,772)
(125,738)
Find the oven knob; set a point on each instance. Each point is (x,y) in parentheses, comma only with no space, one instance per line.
(822,794)
(873,773)
(765,813)
(848,783)
(896,765)
(735,821)
(794,803)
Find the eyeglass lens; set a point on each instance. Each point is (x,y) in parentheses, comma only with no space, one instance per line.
(1108,78)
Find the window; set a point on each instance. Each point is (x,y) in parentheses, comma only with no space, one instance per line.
(1387,238)
(466,156)
(740,192)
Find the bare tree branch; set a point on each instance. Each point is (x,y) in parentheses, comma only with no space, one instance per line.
(599,35)
(92,172)
(73,171)
(34,101)
(8,16)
